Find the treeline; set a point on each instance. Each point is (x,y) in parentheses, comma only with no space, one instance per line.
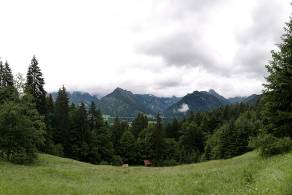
(31,121)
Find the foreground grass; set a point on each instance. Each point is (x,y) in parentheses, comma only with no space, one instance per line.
(246,174)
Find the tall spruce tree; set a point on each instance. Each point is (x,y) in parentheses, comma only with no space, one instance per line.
(105,145)
(49,146)
(157,139)
(128,147)
(35,86)
(92,115)
(278,89)
(95,117)
(192,139)
(172,129)
(139,123)
(61,118)
(118,128)
(7,76)
(7,90)
(80,135)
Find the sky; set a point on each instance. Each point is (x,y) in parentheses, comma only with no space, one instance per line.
(165,48)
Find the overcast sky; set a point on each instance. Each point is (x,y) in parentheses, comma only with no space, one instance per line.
(166,47)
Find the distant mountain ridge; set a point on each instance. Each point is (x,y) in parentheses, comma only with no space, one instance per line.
(124,103)
(198,101)
(222,99)
(77,97)
(237,99)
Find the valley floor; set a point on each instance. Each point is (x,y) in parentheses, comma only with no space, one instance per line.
(246,174)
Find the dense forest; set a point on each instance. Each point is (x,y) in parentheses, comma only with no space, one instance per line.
(31,122)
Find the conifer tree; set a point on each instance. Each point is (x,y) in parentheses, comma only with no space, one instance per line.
(157,138)
(192,138)
(118,128)
(7,76)
(95,117)
(128,147)
(99,120)
(144,143)
(61,118)
(172,130)
(105,145)
(7,90)
(49,146)
(50,104)
(35,86)
(139,123)
(92,116)
(80,135)
(278,89)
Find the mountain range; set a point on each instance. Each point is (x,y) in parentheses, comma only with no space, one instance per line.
(124,103)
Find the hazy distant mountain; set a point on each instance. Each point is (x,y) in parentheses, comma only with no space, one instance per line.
(156,104)
(237,99)
(196,102)
(122,103)
(222,99)
(252,99)
(77,97)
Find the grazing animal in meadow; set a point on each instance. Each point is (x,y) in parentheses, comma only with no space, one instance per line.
(147,163)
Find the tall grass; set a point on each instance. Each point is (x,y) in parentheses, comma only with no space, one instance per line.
(246,174)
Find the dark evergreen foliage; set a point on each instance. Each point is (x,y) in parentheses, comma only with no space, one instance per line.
(21,131)
(61,121)
(128,147)
(157,140)
(139,123)
(277,99)
(35,86)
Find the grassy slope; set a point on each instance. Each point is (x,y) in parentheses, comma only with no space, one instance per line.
(246,174)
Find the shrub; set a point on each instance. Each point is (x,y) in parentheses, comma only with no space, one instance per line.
(22,156)
(117,160)
(190,157)
(103,163)
(170,162)
(268,145)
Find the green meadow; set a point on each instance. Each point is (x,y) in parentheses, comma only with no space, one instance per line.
(246,174)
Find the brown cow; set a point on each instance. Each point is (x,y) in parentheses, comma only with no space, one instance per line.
(147,163)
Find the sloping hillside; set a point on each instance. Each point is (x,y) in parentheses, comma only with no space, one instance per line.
(246,174)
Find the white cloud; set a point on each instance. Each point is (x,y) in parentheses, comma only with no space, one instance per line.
(168,47)
(184,108)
